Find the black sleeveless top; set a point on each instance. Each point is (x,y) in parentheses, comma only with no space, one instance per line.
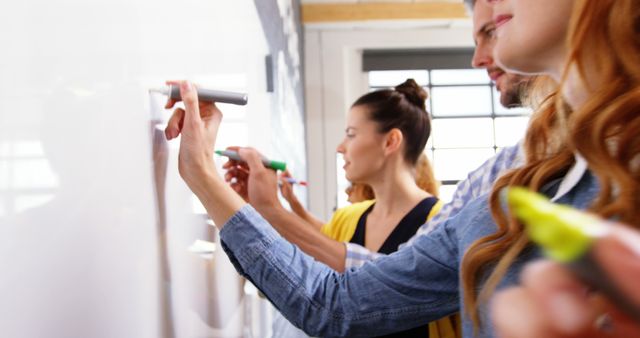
(407,227)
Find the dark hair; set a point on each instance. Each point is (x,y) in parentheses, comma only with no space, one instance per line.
(403,108)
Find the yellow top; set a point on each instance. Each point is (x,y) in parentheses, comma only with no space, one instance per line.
(343,225)
(344,221)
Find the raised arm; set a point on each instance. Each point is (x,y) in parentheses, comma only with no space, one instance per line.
(403,290)
(286,189)
(261,190)
(406,289)
(198,124)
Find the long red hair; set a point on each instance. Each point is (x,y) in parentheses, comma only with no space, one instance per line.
(603,44)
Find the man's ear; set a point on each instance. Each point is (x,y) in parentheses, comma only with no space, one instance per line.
(393,141)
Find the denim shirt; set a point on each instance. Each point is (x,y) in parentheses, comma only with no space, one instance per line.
(477,183)
(415,285)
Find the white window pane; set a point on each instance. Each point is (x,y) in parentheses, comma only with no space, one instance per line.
(429,154)
(392,78)
(459,76)
(463,133)
(446,192)
(457,101)
(500,110)
(25,202)
(510,130)
(33,174)
(429,144)
(455,164)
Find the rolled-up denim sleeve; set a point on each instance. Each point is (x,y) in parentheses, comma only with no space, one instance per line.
(403,290)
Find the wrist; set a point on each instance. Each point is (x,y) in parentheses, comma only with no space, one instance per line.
(270,211)
(203,181)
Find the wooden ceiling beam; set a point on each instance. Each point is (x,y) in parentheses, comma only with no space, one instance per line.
(341,12)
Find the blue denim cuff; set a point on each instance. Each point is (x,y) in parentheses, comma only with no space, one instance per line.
(246,236)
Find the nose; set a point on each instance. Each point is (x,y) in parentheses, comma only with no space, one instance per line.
(341,148)
(482,56)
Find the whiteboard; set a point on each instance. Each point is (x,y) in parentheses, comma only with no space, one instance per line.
(94,220)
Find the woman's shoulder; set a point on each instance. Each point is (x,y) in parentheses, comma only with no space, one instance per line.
(355,209)
(345,218)
(435,208)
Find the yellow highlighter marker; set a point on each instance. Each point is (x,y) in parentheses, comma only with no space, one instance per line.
(567,235)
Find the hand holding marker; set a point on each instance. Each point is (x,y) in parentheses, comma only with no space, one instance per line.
(173,92)
(233,155)
(275,165)
(292,180)
(567,235)
(209,95)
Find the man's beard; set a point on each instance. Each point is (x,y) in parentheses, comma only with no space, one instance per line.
(517,90)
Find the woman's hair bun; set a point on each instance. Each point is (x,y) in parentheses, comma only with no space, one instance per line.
(413,92)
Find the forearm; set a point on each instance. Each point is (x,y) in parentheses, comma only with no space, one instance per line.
(309,239)
(361,303)
(299,210)
(220,201)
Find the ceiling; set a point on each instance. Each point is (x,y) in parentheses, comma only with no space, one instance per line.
(336,11)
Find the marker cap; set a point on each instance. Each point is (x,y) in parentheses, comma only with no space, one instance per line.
(278,165)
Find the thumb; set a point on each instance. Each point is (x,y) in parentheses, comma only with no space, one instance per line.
(253,159)
(619,255)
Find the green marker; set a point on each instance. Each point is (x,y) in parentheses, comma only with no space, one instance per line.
(275,165)
(567,235)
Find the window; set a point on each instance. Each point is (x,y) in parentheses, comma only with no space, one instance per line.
(468,123)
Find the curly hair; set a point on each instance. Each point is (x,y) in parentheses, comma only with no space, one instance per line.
(603,43)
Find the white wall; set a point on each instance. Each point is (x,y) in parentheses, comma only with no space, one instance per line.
(93,230)
(334,79)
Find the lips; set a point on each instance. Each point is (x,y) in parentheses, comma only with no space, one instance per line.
(495,74)
(501,19)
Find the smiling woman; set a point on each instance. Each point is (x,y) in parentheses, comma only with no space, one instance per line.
(531,36)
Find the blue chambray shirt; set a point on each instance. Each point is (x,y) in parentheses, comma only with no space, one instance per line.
(477,183)
(417,284)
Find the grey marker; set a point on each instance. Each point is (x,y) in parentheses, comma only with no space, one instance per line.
(209,95)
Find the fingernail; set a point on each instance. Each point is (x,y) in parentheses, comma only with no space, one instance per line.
(631,242)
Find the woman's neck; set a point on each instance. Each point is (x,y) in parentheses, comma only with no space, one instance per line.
(575,89)
(395,191)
